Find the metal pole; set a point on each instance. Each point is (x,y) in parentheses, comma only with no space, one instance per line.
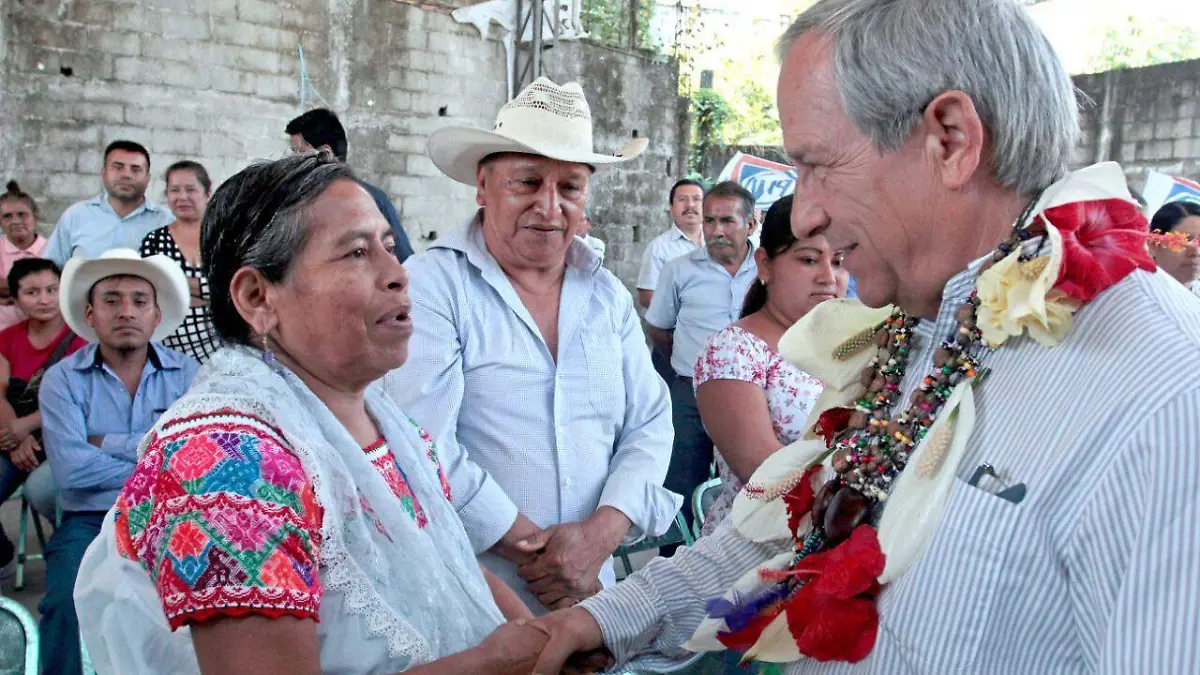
(633,24)
(538,19)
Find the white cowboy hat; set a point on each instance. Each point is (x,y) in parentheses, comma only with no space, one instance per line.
(544,119)
(79,275)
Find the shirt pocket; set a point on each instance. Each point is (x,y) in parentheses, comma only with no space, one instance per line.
(603,379)
(938,612)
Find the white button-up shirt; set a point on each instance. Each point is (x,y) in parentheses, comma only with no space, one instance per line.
(1097,570)
(662,249)
(518,431)
(697,297)
(91,227)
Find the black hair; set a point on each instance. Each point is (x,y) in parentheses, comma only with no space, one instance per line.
(318,127)
(127,146)
(196,168)
(682,183)
(776,238)
(14,192)
(25,267)
(1168,217)
(256,219)
(731,190)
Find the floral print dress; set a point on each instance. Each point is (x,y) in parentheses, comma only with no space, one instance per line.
(737,354)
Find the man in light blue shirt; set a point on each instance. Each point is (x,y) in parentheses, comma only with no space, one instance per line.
(698,295)
(528,361)
(96,406)
(119,217)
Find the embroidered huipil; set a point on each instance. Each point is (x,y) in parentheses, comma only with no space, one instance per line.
(519,432)
(222,516)
(1095,571)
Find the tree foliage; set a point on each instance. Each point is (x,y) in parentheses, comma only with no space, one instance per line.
(608,21)
(710,114)
(1137,43)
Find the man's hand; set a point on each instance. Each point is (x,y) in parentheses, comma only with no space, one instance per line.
(13,432)
(25,456)
(97,441)
(511,548)
(575,643)
(570,555)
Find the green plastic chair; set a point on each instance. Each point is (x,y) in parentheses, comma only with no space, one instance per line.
(702,498)
(18,639)
(22,556)
(678,533)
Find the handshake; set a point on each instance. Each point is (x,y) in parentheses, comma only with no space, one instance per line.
(567,641)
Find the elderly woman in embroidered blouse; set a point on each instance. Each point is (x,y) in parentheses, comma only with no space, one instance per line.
(285,516)
(751,399)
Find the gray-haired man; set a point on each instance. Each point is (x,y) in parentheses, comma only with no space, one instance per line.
(924,133)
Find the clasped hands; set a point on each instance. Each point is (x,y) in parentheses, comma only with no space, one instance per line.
(562,563)
(567,641)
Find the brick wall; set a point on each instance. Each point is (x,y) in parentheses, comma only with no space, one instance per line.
(1144,118)
(217,81)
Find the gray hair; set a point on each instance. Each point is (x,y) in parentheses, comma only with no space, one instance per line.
(256,219)
(891,58)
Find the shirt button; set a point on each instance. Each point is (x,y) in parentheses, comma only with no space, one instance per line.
(567,483)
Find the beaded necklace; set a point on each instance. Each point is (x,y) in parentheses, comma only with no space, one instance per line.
(874,448)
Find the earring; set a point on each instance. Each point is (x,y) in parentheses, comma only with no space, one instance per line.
(764,281)
(269,357)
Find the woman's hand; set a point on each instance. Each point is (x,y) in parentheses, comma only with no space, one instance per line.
(575,644)
(512,648)
(12,433)
(24,457)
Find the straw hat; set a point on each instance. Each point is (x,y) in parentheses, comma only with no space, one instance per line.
(544,119)
(79,275)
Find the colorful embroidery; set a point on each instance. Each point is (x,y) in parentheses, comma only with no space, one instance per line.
(432,454)
(220,514)
(223,517)
(385,462)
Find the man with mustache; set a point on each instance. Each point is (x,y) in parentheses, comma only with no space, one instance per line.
(119,217)
(699,294)
(97,404)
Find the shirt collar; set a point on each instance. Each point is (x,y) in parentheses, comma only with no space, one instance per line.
(147,204)
(468,240)
(13,249)
(154,358)
(677,233)
(701,255)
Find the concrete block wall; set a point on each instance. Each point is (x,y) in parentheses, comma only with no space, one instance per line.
(1144,118)
(217,81)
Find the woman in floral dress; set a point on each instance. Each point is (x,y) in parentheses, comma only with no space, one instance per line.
(751,399)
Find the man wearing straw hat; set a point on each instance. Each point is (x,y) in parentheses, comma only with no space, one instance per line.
(529,360)
(97,404)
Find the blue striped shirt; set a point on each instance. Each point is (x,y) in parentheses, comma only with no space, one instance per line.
(80,397)
(1096,571)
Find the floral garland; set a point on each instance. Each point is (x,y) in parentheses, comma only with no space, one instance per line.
(1173,241)
(819,599)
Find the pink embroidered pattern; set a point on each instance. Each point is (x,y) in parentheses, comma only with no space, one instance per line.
(221,514)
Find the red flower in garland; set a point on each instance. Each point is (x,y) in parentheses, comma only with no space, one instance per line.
(1104,240)
(833,616)
(831,423)
(799,501)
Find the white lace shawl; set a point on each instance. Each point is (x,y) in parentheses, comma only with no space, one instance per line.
(420,589)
